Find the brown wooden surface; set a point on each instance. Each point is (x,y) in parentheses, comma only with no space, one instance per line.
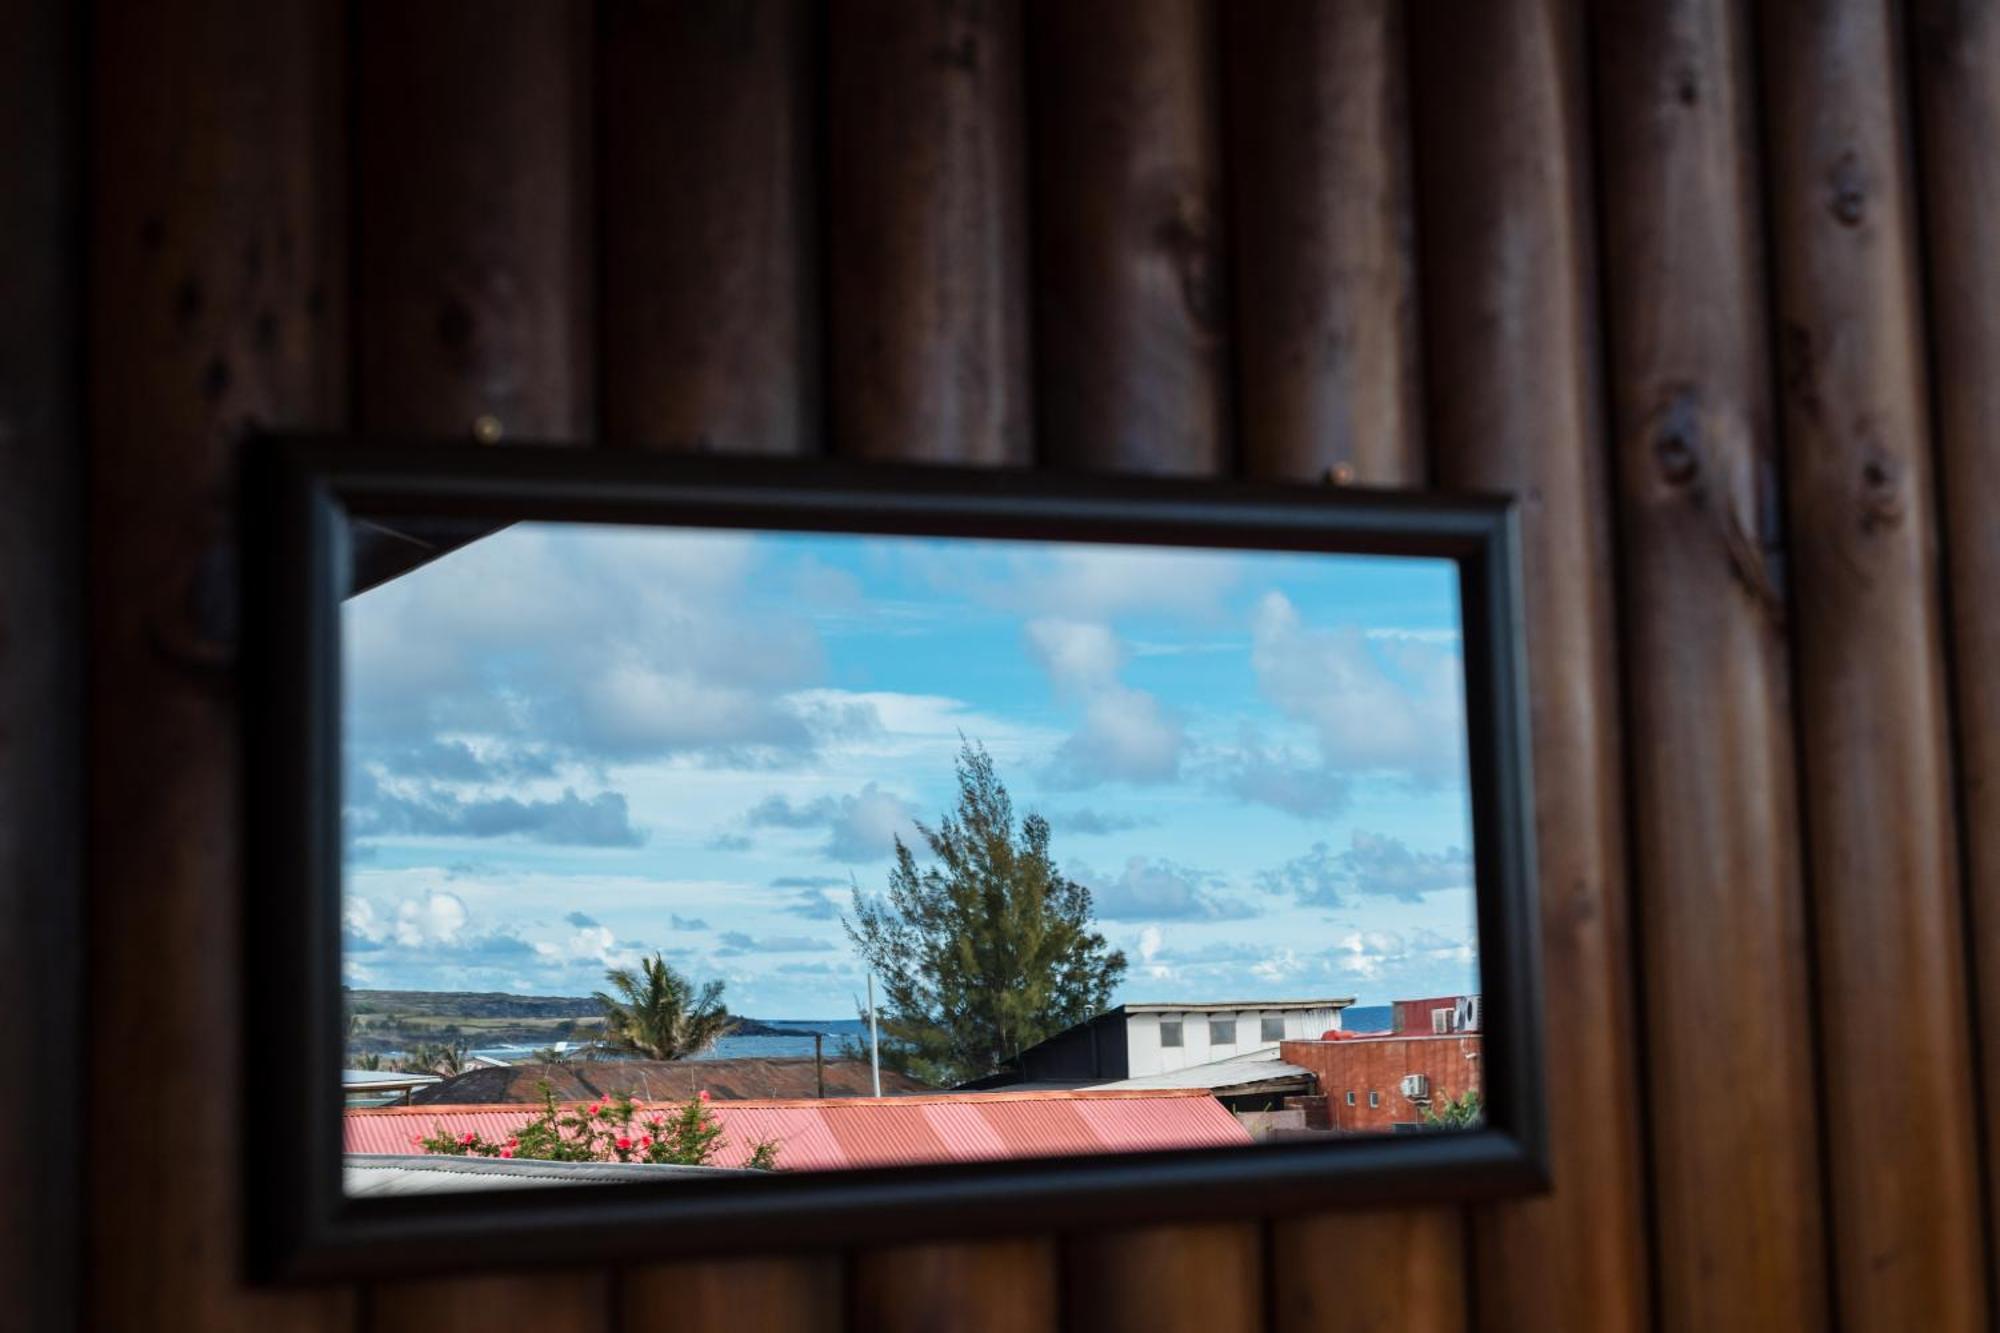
(1129,266)
(1207,1277)
(1510,333)
(1000,1286)
(927,312)
(41,655)
(1876,780)
(216,293)
(707,212)
(1325,285)
(1375,1271)
(472,168)
(1957,79)
(563,1303)
(1720,918)
(473,304)
(802,1295)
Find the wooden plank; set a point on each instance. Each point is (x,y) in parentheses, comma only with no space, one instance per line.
(474,224)
(796,1295)
(927,232)
(1131,310)
(1326,321)
(216,300)
(928,339)
(1377,1271)
(1958,86)
(1005,1286)
(710,270)
(1194,1277)
(1903,1178)
(560,1303)
(473,322)
(1318,164)
(1721,913)
(1510,334)
(1131,347)
(41,657)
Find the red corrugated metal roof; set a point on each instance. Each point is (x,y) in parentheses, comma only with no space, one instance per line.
(899,1131)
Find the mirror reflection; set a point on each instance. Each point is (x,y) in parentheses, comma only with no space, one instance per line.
(716,852)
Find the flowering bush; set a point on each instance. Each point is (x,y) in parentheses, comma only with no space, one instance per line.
(616,1129)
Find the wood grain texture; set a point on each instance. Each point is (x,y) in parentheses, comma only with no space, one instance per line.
(1131,305)
(1187,1277)
(1325,318)
(545,1303)
(1958,86)
(710,241)
(474,302)
(1510,330)
(790,1295)
(1736,1190)
(41,655)
(927,232)
(216,298)
(997,1286)
(1318,165)
(1876,781)
(1379,1271)
(472,244)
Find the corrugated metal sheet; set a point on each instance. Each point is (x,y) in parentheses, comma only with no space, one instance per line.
(900,1131)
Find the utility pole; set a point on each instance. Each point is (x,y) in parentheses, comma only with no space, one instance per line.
(874,1039)
(819,1063)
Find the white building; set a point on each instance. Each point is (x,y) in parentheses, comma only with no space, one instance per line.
(1141,1040)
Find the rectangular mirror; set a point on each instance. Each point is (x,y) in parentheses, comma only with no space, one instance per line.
(811,853)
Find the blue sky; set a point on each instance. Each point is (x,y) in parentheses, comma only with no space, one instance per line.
(571,745)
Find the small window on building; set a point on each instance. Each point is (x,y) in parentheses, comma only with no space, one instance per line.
(1222,1032)
(1441,1020)
(1170,1032)
(1350,1096)
(1272,1029)
(1374,1099)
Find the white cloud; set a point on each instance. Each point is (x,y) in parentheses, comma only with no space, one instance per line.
(1126,735)
(435,919)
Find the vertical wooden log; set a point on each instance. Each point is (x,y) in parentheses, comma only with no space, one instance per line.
(1130,358)
(473,321)
(1510,340)
(1902,1157)
(1129,265)
(977,1287)
(1168,1277)
(710,295)
(1318,156)
(1958,82)
(41,657)
(926,209)
(927,232)
(215,301)
(792,1295)
(1325,308)
(473,244)
(1721,920)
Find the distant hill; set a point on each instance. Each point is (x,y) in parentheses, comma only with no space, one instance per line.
(389,1015)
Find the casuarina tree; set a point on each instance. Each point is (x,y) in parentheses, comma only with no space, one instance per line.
(987,951)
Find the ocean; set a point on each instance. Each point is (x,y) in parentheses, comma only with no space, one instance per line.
(764,1046)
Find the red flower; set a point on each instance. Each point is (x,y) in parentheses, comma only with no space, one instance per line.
(465,1142)
(704,1095)
(506,1152)
(657,1122)
(645,1140)
(513,1143)
(595,1107)
(624,1144)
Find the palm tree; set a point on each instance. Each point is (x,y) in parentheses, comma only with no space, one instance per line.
(656,1012)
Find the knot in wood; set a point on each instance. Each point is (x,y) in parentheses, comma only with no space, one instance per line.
(1881,493)
(1677,437)
(1849,189)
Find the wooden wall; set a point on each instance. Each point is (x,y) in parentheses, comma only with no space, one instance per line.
(1710,286)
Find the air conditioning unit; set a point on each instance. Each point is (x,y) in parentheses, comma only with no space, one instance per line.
(1417,1087)
(1468,1017)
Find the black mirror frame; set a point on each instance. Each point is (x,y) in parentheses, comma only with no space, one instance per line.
(299,1225)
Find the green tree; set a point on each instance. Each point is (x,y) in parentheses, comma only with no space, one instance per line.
(1467,1111)
(656,1012)
(987,952)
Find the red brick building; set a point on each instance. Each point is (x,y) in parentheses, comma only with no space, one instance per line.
(1364,1078)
